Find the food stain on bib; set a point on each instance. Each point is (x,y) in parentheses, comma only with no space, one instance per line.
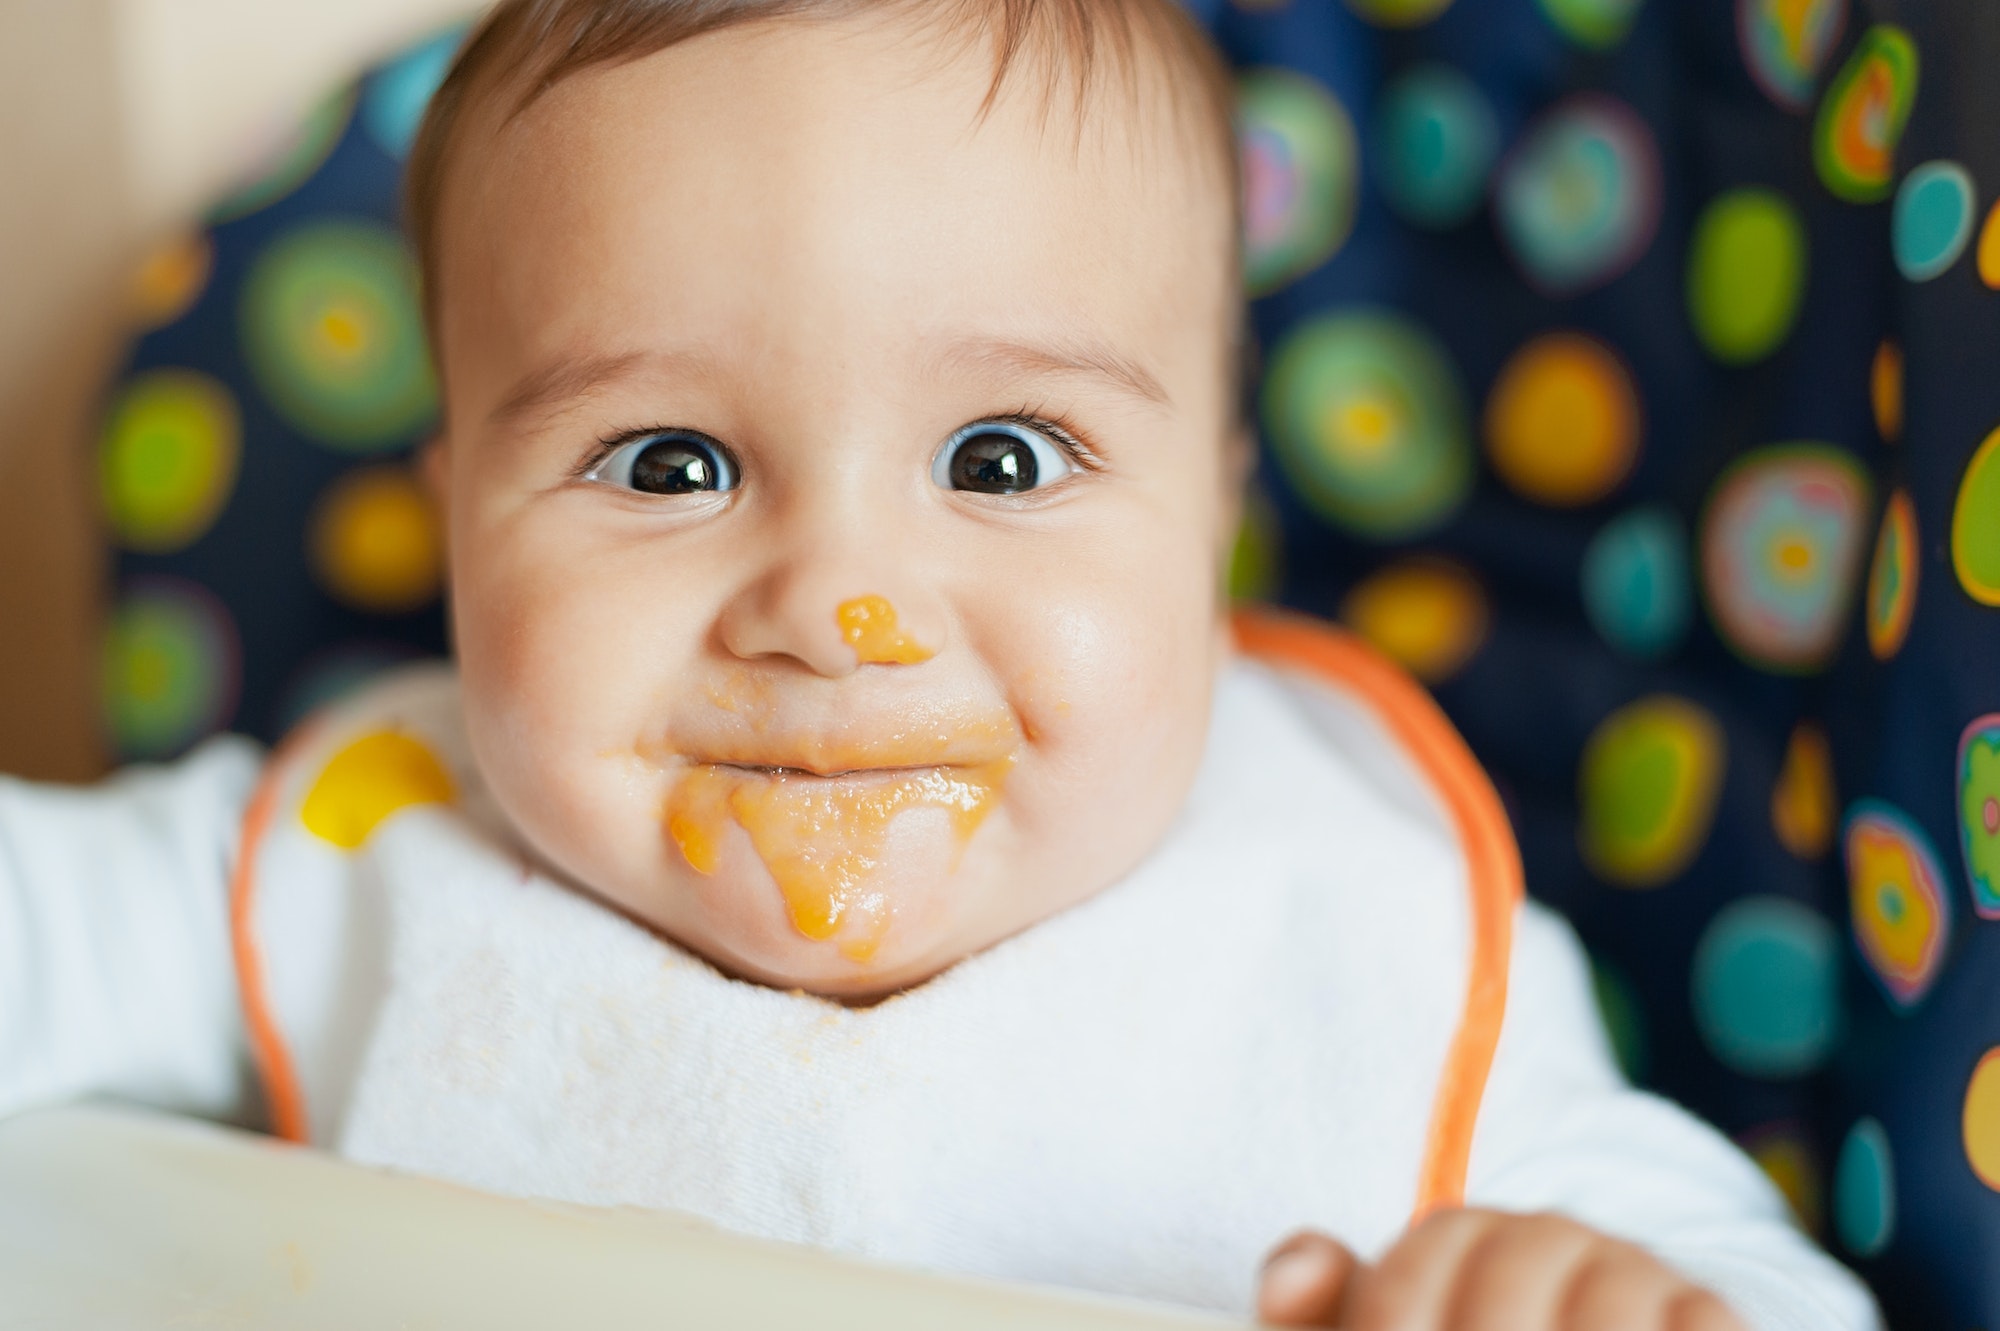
(868,625)
(824,838)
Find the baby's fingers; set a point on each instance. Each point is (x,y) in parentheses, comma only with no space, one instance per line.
(1619,1287)
(1482,1271)
(1304,1282)
(1612,1292)
(1412,1288)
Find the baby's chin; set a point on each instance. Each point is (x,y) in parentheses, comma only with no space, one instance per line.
(919,911)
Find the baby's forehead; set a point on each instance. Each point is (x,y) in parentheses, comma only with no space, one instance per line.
(851,174)
(1130,88)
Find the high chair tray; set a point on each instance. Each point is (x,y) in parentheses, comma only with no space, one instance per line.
(111,1218)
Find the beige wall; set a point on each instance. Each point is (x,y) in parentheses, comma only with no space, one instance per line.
(118,118)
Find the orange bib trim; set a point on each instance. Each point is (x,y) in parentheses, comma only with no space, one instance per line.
(1493,864)
(284,1098)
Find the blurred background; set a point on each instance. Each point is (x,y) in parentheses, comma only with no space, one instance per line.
(1628,378)
(120,120)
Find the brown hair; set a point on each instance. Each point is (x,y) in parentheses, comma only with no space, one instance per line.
(528,46)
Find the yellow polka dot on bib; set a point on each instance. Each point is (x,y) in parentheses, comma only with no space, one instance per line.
(368,781)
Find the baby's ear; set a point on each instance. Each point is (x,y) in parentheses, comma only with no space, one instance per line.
(434,472)
(434,467)
(1239,456)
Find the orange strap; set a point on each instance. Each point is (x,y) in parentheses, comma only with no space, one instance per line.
(1492,860)
(282,1092)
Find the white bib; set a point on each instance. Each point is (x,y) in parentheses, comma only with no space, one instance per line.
(1139,1095)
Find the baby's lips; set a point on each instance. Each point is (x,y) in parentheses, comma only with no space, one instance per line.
(910,737)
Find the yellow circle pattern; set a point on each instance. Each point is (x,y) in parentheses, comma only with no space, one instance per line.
(1788,1162)
(1975,525)
(1989,248)
(1885,391)
(1428,615)
(171,279)
(1981,1123)
(1804,805)
(1562,423)
(374,542)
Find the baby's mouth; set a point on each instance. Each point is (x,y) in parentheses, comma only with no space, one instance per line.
(818,814)
(807,773)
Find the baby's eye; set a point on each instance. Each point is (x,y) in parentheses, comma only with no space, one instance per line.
(671,463)
(998,458)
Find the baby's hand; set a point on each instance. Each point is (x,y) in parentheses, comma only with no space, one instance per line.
(1485,1271)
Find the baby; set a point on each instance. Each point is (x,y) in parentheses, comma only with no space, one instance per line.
(849,816)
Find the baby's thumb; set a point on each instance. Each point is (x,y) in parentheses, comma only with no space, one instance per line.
(1304,1281)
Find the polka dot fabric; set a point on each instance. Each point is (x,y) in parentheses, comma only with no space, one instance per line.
(1634,396)
(1626,377)
(255,458)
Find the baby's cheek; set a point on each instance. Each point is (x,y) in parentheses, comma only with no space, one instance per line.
(554,718)
(1115,705)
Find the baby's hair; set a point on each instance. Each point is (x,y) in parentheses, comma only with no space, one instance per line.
(523,48)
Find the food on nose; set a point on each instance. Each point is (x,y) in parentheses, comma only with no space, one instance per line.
(824,839)
(868,625)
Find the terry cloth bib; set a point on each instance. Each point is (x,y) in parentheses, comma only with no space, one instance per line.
(1282,1017)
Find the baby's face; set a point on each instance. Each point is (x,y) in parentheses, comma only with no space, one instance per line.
(837,489)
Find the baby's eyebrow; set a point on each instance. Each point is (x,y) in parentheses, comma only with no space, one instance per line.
(572,377)
(1071,357)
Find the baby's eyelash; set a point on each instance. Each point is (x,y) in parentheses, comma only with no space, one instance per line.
(1066,435)
(1058,428)
(603,448)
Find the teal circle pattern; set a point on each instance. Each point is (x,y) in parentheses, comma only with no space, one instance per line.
(1579,199)
(1367,419)
(1932,220)
(1864,1190)
(333,336)
(1435,139)
(399,93)
(1637,589)
(170,666)
(1766,989)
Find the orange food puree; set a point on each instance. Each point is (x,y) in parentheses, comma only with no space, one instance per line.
(868,625)
(824,838)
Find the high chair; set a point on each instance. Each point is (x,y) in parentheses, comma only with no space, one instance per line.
(1624,377)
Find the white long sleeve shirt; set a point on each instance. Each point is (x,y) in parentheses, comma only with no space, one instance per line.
(1140,1095)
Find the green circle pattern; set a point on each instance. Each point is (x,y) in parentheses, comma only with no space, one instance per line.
(1596,24)
(1746,274)
(333,335)
(167,461)
(169,669)
(1366,417)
